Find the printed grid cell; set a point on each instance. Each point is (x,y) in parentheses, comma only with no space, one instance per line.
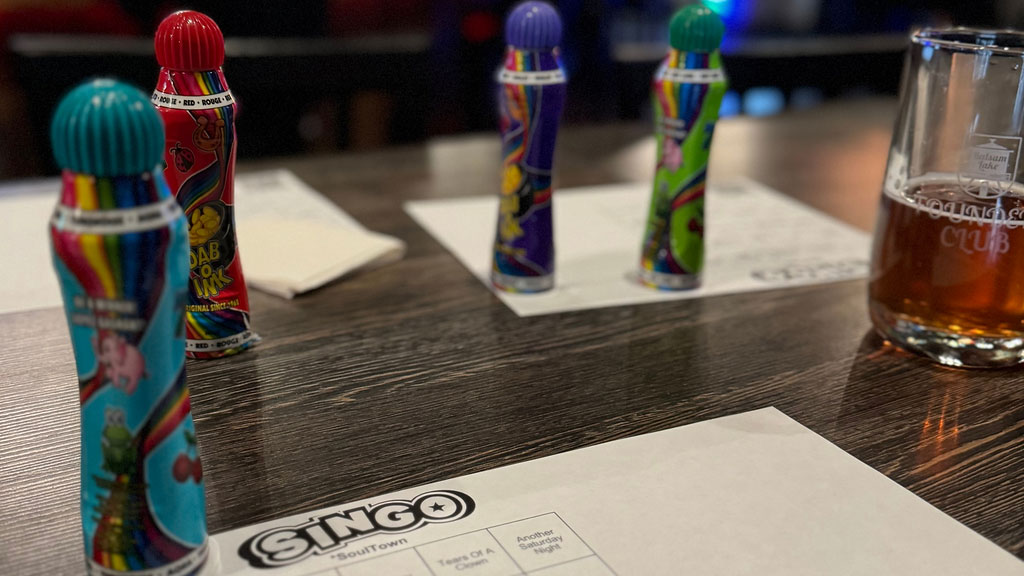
(404,563)
(589,566)
(541,541)
(473,554)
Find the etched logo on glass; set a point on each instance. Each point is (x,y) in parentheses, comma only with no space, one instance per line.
(989,166)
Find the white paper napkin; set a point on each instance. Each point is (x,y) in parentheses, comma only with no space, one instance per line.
(291,239)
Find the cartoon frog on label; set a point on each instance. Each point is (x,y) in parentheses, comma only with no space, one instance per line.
(119,455)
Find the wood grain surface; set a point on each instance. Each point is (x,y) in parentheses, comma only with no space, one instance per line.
(414,372)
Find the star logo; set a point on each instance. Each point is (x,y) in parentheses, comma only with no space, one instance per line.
(437,507)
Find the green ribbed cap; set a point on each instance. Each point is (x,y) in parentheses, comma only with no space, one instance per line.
(107,128)
(696,28)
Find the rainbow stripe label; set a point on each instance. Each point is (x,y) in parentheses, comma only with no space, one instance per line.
(198,111)
(203,102)
(691,76)
(531,78)
(140,219)
(124,289)
(687,93)
(531,100)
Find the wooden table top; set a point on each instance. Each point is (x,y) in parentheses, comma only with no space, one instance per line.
(415,373)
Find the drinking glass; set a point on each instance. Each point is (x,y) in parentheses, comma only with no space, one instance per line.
(947,270)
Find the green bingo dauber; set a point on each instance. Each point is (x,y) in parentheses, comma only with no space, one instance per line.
(688,90)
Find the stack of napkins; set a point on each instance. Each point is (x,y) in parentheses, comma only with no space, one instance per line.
(294,240)
(291,239)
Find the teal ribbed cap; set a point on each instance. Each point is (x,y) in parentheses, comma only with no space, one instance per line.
(696,28)
(107,128)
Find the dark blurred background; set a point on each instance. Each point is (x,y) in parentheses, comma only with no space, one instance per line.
(323,75)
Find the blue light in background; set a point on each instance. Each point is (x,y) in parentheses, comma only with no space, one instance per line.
(732,104)
(805,97)
(733,12)
(763,101)
(723,8)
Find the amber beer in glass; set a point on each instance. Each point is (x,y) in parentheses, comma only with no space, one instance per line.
(947,272)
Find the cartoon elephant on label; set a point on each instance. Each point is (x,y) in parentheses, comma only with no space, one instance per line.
(122,362)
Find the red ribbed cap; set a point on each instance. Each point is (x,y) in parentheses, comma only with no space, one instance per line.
(191,41)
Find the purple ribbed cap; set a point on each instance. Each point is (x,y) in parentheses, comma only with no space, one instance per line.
(533,26)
